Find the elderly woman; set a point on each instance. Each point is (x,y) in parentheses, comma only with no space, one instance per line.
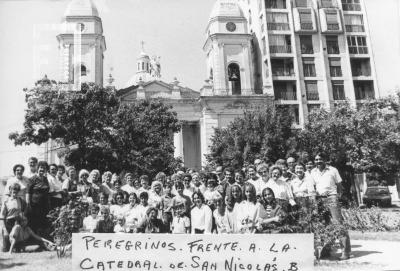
(39,199)
(19,179)
(155,195)
(107,180)
(161,177)
(12,207)
(282,190)
(130,185)
(70,185)
(105,224)
(86,188)
(303,188)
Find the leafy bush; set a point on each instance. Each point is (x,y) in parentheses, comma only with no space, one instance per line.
(373,219)
(65,221)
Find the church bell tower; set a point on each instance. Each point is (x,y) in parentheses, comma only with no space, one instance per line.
(82,44)
(229,64)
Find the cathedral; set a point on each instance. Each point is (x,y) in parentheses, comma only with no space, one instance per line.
(302,54)
(229,86)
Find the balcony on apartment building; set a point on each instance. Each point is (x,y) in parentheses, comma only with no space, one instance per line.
(304,20)
(351,5)
(327,4)
(364,90)
(330,19)
(277,21)
(285,91)
(275,4)
(360,68)
(332,45)
(312,90)
(354,23)
(357,45)
(338,91)
(306,45)
(280,44)
(282,69)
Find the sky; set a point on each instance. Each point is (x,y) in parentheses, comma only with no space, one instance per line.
(172,29)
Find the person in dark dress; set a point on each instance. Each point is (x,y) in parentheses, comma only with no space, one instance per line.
(39,200)
(151,224)
(105,223)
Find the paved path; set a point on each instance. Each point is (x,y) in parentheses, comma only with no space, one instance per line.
(370,255)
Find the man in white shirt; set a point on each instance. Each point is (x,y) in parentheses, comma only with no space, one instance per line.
(328,183)
(254,179)
(55,184)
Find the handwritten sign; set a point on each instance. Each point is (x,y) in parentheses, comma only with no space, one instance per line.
(230,252)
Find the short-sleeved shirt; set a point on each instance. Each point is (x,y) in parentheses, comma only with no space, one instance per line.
(326,180)
(55,185)
(304,187)
(70,185)
(12,208)
(222,222)
(89,223)
(282,190)
(258,184)
(180,223)
(23,183)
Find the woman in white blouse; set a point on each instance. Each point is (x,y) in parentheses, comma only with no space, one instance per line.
(201,215)
(131,213)
(247,211)
(303,187)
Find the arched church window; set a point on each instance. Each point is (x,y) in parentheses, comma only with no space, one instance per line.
(147,66)
(211,74)
(83,70)
(142,66)
(234,78)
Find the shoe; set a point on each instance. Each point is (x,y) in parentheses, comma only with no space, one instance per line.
(344,257)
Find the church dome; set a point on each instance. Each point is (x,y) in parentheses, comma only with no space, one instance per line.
(81,8)
(226,8)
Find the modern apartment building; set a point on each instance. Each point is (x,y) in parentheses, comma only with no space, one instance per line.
(311,53)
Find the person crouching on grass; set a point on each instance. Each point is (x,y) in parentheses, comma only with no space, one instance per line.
(21,236)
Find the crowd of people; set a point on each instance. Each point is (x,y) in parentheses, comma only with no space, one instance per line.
(256,199)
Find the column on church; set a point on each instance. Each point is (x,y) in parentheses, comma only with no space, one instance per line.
(178,144)
(247,84)
(208,122)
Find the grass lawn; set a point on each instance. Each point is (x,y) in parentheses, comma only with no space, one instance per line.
(34,261)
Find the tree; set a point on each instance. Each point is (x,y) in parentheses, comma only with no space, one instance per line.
(97,131)
(366,139)
(262,132)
